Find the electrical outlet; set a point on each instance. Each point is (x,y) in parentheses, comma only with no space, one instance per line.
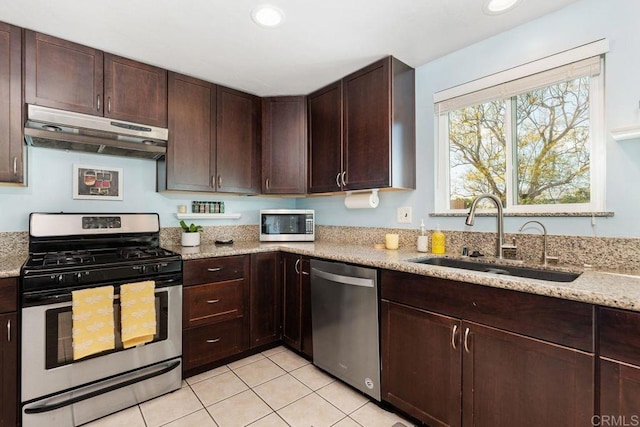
(404,215)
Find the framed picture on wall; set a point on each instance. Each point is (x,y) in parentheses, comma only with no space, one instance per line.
(97,182)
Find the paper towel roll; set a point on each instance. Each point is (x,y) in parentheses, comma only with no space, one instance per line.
(362,200)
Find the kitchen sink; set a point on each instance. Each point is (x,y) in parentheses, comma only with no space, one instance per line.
(504,269)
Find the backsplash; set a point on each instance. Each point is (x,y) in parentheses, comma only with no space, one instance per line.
(600,252)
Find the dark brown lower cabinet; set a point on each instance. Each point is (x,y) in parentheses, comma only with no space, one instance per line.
(296,288)
(422,370)
(619,393)
(448,372)
(512,380)
(266,295)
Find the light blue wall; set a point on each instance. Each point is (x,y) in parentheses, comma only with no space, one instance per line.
(580,23)
(50,190)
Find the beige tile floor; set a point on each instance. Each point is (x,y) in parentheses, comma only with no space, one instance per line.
(270,389)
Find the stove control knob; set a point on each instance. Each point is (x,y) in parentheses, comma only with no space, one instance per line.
(157,268)
(60,279)
(143,269)
(77,277)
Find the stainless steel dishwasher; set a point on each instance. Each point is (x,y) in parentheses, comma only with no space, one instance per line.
(344,310)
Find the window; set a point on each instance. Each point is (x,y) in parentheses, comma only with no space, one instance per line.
(535,141)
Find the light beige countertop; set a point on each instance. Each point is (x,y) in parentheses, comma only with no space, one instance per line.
(618,289)
(10,265)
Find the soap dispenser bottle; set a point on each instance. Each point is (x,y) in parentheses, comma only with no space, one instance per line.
(437,241)
(423,242)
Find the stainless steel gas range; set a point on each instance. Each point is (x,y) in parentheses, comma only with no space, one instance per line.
(69,252)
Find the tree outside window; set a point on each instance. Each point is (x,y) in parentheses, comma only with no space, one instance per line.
(544,133)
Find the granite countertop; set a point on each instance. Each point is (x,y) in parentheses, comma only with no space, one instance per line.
(10,265)
(620,289)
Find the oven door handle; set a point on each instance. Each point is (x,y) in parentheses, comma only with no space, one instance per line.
(95,393)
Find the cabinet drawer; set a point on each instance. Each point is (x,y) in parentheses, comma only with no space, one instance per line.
(8,294)
(619,337)
(212,302)
(211,270)
(209,343)
(559,321)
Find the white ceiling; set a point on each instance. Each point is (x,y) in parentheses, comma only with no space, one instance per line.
(320,41)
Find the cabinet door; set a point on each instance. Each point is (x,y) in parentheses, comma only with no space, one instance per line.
(291,288)
(8,369)
(61,74)
(367,123)
(325,139)
(190,159)
(284,145)
(619,391)
(265,299)
(421,364)
(210,343)
(306,332)
(11,161)
(134,91)
(511,380)
(238,169)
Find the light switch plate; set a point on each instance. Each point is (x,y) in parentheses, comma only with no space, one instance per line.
(404,215)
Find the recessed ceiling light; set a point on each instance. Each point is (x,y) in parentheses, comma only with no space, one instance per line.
(494,7)
(267,16)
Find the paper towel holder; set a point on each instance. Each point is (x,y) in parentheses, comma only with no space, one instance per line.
(366,199)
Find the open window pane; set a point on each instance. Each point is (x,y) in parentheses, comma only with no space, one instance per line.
(552,147)
(477,152)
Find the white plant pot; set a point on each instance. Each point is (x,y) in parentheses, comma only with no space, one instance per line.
(191,239)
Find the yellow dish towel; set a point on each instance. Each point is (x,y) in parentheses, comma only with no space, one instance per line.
(138,313)
(92,321)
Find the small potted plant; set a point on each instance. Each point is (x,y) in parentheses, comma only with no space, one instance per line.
(190,234)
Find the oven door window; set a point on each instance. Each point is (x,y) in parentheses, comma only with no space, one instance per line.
(59,331)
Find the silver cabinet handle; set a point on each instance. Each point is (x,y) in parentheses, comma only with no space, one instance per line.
(453,337)
(305,273)
(344,173)
(297,265)
(214,340)
(213,301)
(109,105)
(214,269)
(338,179)
(9,330)
(98,102)
(219,181)
(466,340)
(15,165)
(266,184)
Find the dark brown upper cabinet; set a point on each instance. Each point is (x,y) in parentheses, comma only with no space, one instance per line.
(69,76)
(378,130)
(190,162)
(325,139)
(237,133)
(134,91)
(11,145)
(284,145)
(212,143)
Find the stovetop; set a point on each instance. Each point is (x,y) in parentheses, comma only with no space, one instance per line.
(70,251)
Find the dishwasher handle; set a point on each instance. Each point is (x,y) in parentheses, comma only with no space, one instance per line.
(338,278)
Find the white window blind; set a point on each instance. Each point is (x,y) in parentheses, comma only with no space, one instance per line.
(582,61)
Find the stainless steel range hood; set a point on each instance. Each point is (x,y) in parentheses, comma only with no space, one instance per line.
(65,130)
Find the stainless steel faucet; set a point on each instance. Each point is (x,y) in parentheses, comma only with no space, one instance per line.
(545,255)
(499,220)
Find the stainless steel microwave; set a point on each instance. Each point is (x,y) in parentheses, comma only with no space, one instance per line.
(287,225)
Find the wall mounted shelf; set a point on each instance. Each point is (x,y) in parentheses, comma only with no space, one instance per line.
(208,216)
(623,134)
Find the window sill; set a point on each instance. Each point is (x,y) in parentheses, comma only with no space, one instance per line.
(530,214)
